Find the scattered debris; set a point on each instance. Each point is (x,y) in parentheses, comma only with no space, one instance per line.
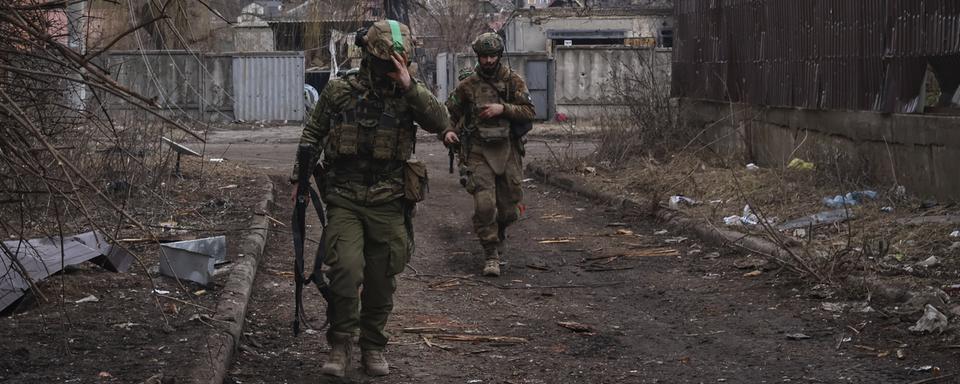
(660,232)
(932,320)
(752,167)
(126,325)
(576,327)
(192,260)
(747,218)
(424,330)
(939,219)
(797,336)
(482,338)
(955,234)
(558,240)
(851,198)
(624,232)
(677,200)
(36,259)
(712,255)
(832,307)
(801,165)
(231,186)
(750,262)
(539,267)
(675,240)
(88,299)
(217,160)
(818,219)
(930,262)
(887,209)
(753,274)
(652,252)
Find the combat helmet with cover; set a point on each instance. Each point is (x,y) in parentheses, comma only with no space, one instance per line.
(385,37)
(488,44)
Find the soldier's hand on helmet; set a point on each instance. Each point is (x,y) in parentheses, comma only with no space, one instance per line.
(401,75)
(490,111)
(450,138)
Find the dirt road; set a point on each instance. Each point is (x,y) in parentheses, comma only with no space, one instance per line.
(588,295)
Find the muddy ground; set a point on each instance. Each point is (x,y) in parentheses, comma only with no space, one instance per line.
(589,295)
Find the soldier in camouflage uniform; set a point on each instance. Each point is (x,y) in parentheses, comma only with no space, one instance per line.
(364,124)
(482,107)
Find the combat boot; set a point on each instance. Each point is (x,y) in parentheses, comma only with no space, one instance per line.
(341,352)
(492,255)
(492,268)
(374,363)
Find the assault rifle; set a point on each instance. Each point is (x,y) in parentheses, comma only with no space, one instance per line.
(306,157)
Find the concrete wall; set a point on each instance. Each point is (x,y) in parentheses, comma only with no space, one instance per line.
(920,152)
(584,76)
(528,33)
(580,76)
(254,37)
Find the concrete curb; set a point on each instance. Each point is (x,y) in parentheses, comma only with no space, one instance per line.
(675,219)
(232,307)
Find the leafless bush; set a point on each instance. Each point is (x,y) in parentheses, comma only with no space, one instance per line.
(643,119)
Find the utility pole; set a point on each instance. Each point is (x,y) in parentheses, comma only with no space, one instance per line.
(398,10)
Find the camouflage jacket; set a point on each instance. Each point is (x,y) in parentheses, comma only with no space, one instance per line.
(362,179)
(464,105)
(473,92)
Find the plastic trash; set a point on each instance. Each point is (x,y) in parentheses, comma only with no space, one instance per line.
(732,220)
(821,218)
(677,200)
(850,199)
(752,167)
(887,209)
(932,320)
(801,165)
(747,218)
(930,262)
(955,234)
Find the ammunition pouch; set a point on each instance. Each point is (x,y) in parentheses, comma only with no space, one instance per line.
(415,181)
(493,134)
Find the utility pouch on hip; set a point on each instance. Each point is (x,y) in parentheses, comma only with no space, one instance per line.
(415,181)
(493,134)
(520,129)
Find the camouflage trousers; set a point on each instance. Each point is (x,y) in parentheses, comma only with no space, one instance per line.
(496,198)
(366,247)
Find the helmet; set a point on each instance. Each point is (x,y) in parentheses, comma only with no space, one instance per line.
(385,37)
(488,44)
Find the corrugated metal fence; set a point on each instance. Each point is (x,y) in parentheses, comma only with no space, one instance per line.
(853,54)
(268,86)
(213,87)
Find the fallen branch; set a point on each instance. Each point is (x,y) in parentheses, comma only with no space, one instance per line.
(482,338)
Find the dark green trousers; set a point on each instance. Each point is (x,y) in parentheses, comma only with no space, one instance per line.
(366,247)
